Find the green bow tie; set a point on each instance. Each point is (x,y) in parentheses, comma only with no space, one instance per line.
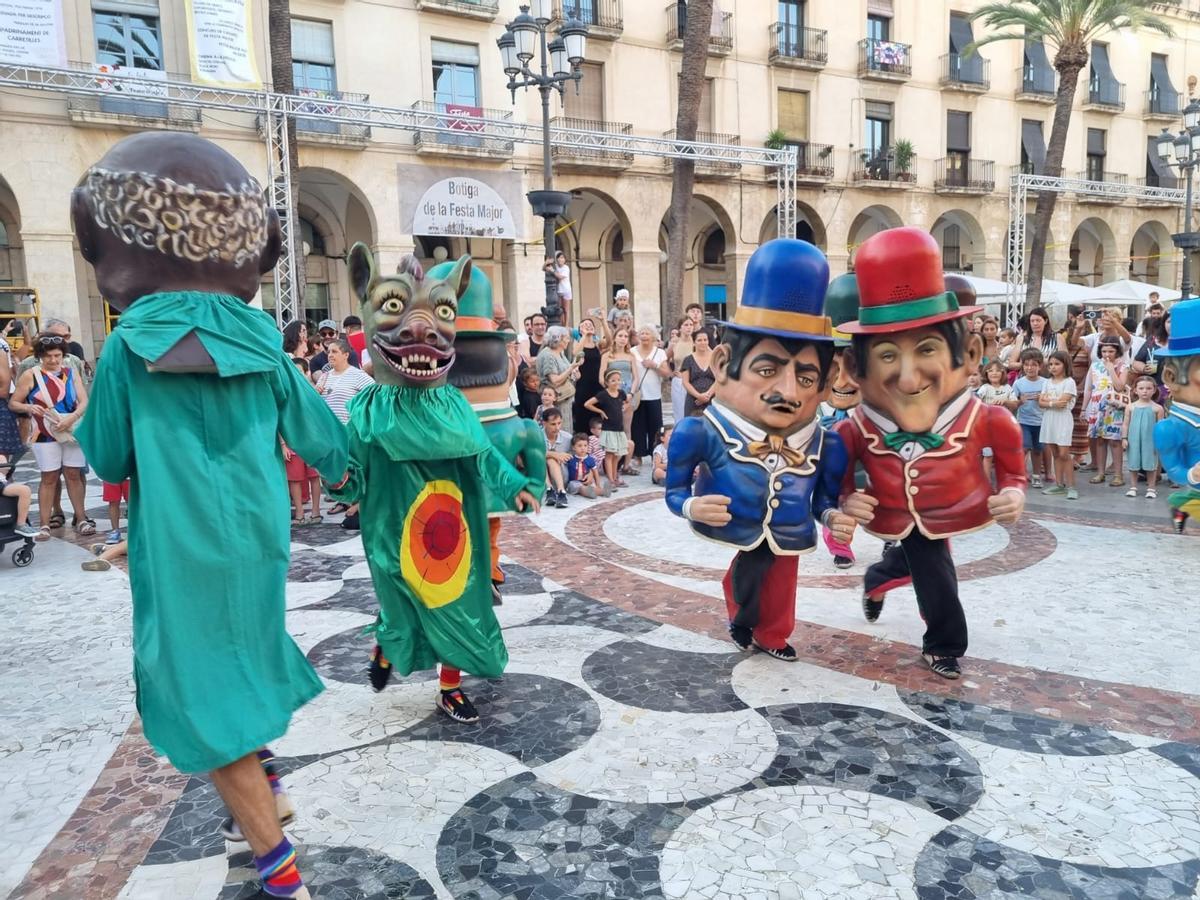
(926,439)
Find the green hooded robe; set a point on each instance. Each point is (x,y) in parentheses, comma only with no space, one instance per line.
(217,674)
(421,468)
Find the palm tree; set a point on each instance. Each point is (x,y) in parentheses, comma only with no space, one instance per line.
(1068,26)
(279,22)
(683,178)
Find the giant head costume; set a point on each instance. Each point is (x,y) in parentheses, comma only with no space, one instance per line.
(841,305)
(1181,357)
(483,367)
(773,367)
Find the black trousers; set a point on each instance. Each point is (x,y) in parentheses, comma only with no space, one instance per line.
(644,427)
(927,564)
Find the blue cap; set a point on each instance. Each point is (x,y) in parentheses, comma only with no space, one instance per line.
(784,292)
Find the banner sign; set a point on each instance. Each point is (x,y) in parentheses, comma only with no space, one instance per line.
(139,82)
(31,33)
(447,202)
(222,45)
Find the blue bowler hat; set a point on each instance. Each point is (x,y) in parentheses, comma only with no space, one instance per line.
(784,292)
(1185,330)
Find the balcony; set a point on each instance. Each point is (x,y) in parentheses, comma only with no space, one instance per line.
(1105,96)
(972,74)
(483,10)
(711,168)
(1099,182)
(589,159)
(1168,183)
(720,38)
(814,162)
(884,60)
(1037,85)
(464,134)
(314,129)
(138,99)
(951,177)
(604,18)
(881,169)
(798,48)
(1163,106)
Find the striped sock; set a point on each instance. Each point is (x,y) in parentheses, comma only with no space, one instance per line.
(267,760)
(278,870)
(450,678)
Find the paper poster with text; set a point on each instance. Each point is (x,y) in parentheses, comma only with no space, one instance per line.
(31,33)
(222,45)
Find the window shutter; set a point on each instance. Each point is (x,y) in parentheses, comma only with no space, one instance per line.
(879,110)
(589,104)
(793,114)
(958,131)
(451,52)
(961,35)
(704,122)
(1034,144)
(880,8)
(1095,141)
(312,41)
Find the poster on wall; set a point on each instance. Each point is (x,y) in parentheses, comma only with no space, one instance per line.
(222,45)
(31,33)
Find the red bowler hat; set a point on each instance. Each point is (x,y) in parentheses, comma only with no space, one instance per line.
(900,284)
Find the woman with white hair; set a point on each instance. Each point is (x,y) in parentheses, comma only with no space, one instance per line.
(650,369)
(557,371)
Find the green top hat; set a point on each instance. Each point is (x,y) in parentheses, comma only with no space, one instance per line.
(841,305)
(475,305)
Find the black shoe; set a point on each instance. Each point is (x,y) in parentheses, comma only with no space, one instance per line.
(350,523)
(787,652)
(842,562)
(551,496)
(561,501)
(380,671)
(497,599)
(946,666)
(871,608)
(457,706)
(1178,520)
(741,635)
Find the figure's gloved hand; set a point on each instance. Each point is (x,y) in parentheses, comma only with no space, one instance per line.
(841,526)
(860,506)
(526,500)
(1006,506)
(1194,474)
(711,509)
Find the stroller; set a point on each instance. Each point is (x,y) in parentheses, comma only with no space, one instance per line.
(23,555)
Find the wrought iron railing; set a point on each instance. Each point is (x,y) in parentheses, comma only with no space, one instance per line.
(463,128)
(587,153)
(884,57)
(1171,182)
(971,71)
(1108,94)
(320,103)
(954,173)
(603,14)
(712,137)
(813,160)
(491,7)
(883,165)
(1104,177)
(719,38)
(1164,103)
(1037,81)
(136,93)
(790,42)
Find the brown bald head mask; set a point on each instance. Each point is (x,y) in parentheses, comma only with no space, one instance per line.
(173,212)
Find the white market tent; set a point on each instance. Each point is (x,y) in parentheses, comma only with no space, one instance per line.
(1136,293)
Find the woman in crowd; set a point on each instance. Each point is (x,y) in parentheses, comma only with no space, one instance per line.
(650,369)
(1104,408)
(698,378)
(55,396)
(622,360)
(989,331)
(295,339)
(338,384)
(557,371)
(678,350)
(593,341)
(1036,334)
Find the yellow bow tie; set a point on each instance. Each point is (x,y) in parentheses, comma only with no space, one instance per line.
(776,445)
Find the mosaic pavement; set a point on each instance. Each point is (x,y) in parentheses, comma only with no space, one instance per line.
(629,752)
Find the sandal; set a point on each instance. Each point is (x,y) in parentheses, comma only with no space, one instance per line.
(96,565)
(84,526)
(58,520)
(313,520)
(1097,479)
(43,533)
(1117,481)
(1151,494)
(338,508)
(1132,492)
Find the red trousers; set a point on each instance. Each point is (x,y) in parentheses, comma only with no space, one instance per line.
(760,593)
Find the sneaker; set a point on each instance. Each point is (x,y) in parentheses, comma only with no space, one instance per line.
(871,607)
(561,502)
(842,562)
(1072,494)
(550,498)
(787,652)
(113,537)
(380,671)
(741,636)
(1132,492)
(1036,481)
(497,598)
(1151,494)
(1054,489)
(96,565)
(946,666)
(457,706)
(26,530)
(232,832)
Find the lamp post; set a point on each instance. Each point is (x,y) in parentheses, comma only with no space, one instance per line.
(1186,149)
(560,60)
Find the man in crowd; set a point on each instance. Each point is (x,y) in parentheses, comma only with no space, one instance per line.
(357,338)
(327,331)
(558,451)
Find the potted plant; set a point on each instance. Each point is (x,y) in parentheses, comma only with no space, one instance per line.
(776,139)
(904,156)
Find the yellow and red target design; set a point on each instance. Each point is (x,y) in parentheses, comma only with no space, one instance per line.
(435,547)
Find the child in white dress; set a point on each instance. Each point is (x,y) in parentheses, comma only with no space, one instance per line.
(1057,400)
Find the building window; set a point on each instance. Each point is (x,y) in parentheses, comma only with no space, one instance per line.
(129,41)
(791,27)
(1163,97)
(309,235)
(958,146)
(313,69)
(952,248)
(1033,147)
(1096,142)
(877,135)
(455,74)
(879,28)
(793,115)
(588,104)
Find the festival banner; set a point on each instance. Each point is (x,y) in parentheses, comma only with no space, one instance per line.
(222,44)
(31,33)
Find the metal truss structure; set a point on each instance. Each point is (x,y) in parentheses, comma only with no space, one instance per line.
(276,109)
(1019,189)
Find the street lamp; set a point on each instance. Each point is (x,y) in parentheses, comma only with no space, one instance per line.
(560,61)
(1185,148)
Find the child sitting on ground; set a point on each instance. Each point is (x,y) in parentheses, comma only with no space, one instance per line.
(659,475)
(583,475)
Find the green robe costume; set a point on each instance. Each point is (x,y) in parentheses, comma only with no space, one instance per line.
(517,440)
(217,674)
(420,468)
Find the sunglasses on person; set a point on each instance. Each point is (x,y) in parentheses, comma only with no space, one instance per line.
(328,334)
(52,340)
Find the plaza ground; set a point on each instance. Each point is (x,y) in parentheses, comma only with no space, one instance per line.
(631,752)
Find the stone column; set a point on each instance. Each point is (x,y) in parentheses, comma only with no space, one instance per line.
(528,282)
(645,286)
(63,291)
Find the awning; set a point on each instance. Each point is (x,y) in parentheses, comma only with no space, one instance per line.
(961,35)
(1107,88)
(1160,84)
(1158,167)
(1034,144)
(1039,74)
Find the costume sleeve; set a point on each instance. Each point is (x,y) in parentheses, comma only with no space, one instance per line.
(1004,437)
(831,475)
(1172,450)
(309,427)
(533,455)
(356,472)
(686,451)
(501,478)
(848,434)
(106,430)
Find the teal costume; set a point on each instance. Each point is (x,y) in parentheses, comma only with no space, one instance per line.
(421,468)
(520,441)
(217,674)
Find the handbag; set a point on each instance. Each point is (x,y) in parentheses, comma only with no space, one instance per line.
(51,417)
(635,399)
